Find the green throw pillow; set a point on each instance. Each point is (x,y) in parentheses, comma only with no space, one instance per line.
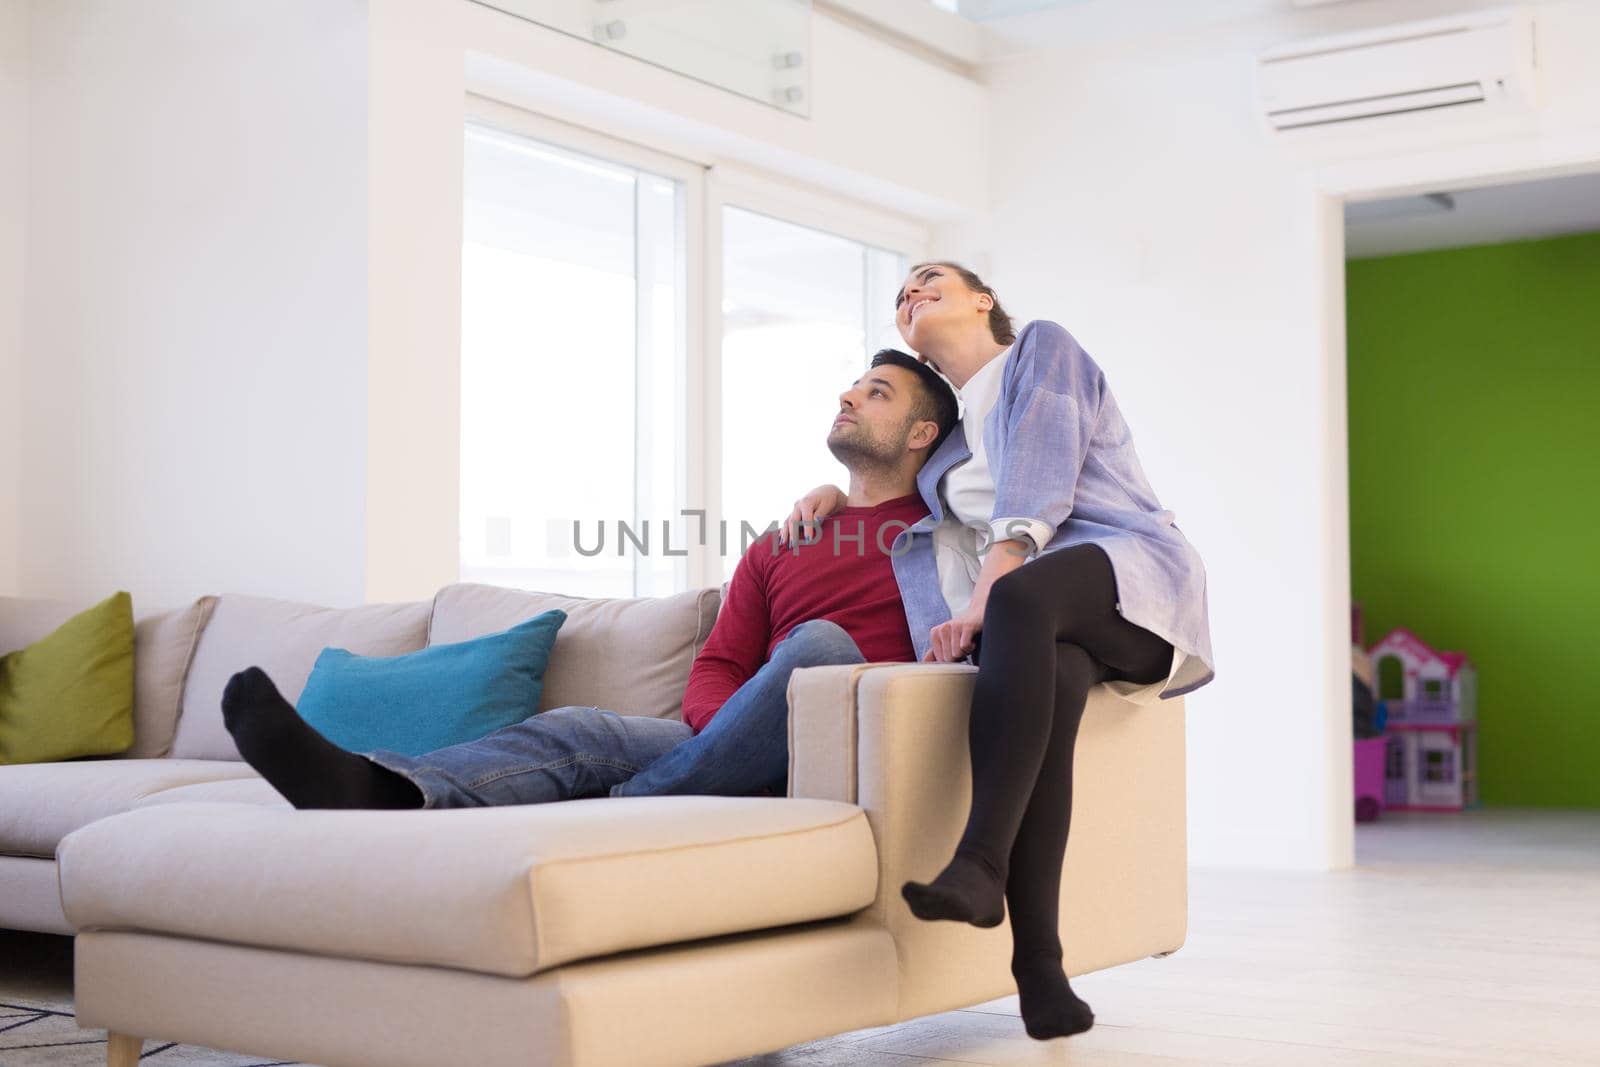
(71,694)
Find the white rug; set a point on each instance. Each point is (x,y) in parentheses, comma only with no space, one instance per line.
(34,1033)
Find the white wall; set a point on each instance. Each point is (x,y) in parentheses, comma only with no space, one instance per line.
(416,111)
(196,321)
(881,125)
(13,215)
(1136,200)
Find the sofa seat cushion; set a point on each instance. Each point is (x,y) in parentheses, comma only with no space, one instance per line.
(509,891)
(40,803)
(251,790)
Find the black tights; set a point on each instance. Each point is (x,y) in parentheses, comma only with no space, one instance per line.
(1051,632)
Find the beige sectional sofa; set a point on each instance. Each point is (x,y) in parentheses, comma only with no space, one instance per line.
(663,930)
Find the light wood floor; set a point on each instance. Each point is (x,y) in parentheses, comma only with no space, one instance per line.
(1457,940)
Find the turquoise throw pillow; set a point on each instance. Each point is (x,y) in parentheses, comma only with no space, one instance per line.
(440,696)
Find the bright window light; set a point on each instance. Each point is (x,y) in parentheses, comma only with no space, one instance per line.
(572,344)
(803,310)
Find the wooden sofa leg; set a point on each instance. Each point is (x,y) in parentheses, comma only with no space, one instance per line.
(123,1050)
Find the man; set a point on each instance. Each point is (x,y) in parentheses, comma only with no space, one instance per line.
(830,600)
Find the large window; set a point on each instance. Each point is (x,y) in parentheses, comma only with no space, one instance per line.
(572,345)
(643,337)
(802,312)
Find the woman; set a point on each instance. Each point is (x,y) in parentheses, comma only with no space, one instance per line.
(1084,579)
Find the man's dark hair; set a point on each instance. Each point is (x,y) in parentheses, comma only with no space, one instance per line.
(936,402)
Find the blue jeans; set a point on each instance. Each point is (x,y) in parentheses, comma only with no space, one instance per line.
(568,753)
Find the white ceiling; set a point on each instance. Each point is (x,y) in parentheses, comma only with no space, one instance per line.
(1491,215)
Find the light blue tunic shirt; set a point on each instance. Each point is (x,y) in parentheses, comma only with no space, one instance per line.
(1063,456)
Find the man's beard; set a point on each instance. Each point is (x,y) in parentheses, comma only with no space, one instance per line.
(861,453)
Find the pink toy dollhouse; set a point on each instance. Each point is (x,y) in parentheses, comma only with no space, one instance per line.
(1432,703)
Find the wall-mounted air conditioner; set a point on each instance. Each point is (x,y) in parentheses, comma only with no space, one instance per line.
(1481,61)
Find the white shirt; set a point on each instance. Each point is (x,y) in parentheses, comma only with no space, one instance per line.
(964,537)
(969,487)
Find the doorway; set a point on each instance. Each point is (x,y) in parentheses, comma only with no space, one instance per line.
(1472,362)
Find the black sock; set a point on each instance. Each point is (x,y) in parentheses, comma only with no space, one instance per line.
(969,890)
(308,769)
(1049,1006)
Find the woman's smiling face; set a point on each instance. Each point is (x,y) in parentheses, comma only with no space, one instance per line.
(932,301)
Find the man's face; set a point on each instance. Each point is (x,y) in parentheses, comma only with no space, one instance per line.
(875,417)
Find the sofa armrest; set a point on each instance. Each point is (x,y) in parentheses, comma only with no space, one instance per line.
(892,738)
(825,704)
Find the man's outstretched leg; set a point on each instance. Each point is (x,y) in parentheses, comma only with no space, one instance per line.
(561,754)
(745,747)
(308,769)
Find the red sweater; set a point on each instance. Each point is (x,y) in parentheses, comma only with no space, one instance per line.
(846,576)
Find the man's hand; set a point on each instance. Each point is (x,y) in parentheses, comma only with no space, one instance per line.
(950,642)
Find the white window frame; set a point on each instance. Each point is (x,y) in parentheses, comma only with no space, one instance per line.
(691,176)
(710,185)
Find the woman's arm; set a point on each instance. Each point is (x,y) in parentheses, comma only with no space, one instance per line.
(951,641)
(1052,399)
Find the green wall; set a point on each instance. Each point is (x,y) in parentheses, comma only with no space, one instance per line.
(1474,379)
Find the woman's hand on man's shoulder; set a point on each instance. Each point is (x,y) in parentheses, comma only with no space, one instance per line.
(809,510)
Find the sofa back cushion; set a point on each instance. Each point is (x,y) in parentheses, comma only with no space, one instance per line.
(631,656)
(283,639)
(162,647)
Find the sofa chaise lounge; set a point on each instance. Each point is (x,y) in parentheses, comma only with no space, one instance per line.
(663,930)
